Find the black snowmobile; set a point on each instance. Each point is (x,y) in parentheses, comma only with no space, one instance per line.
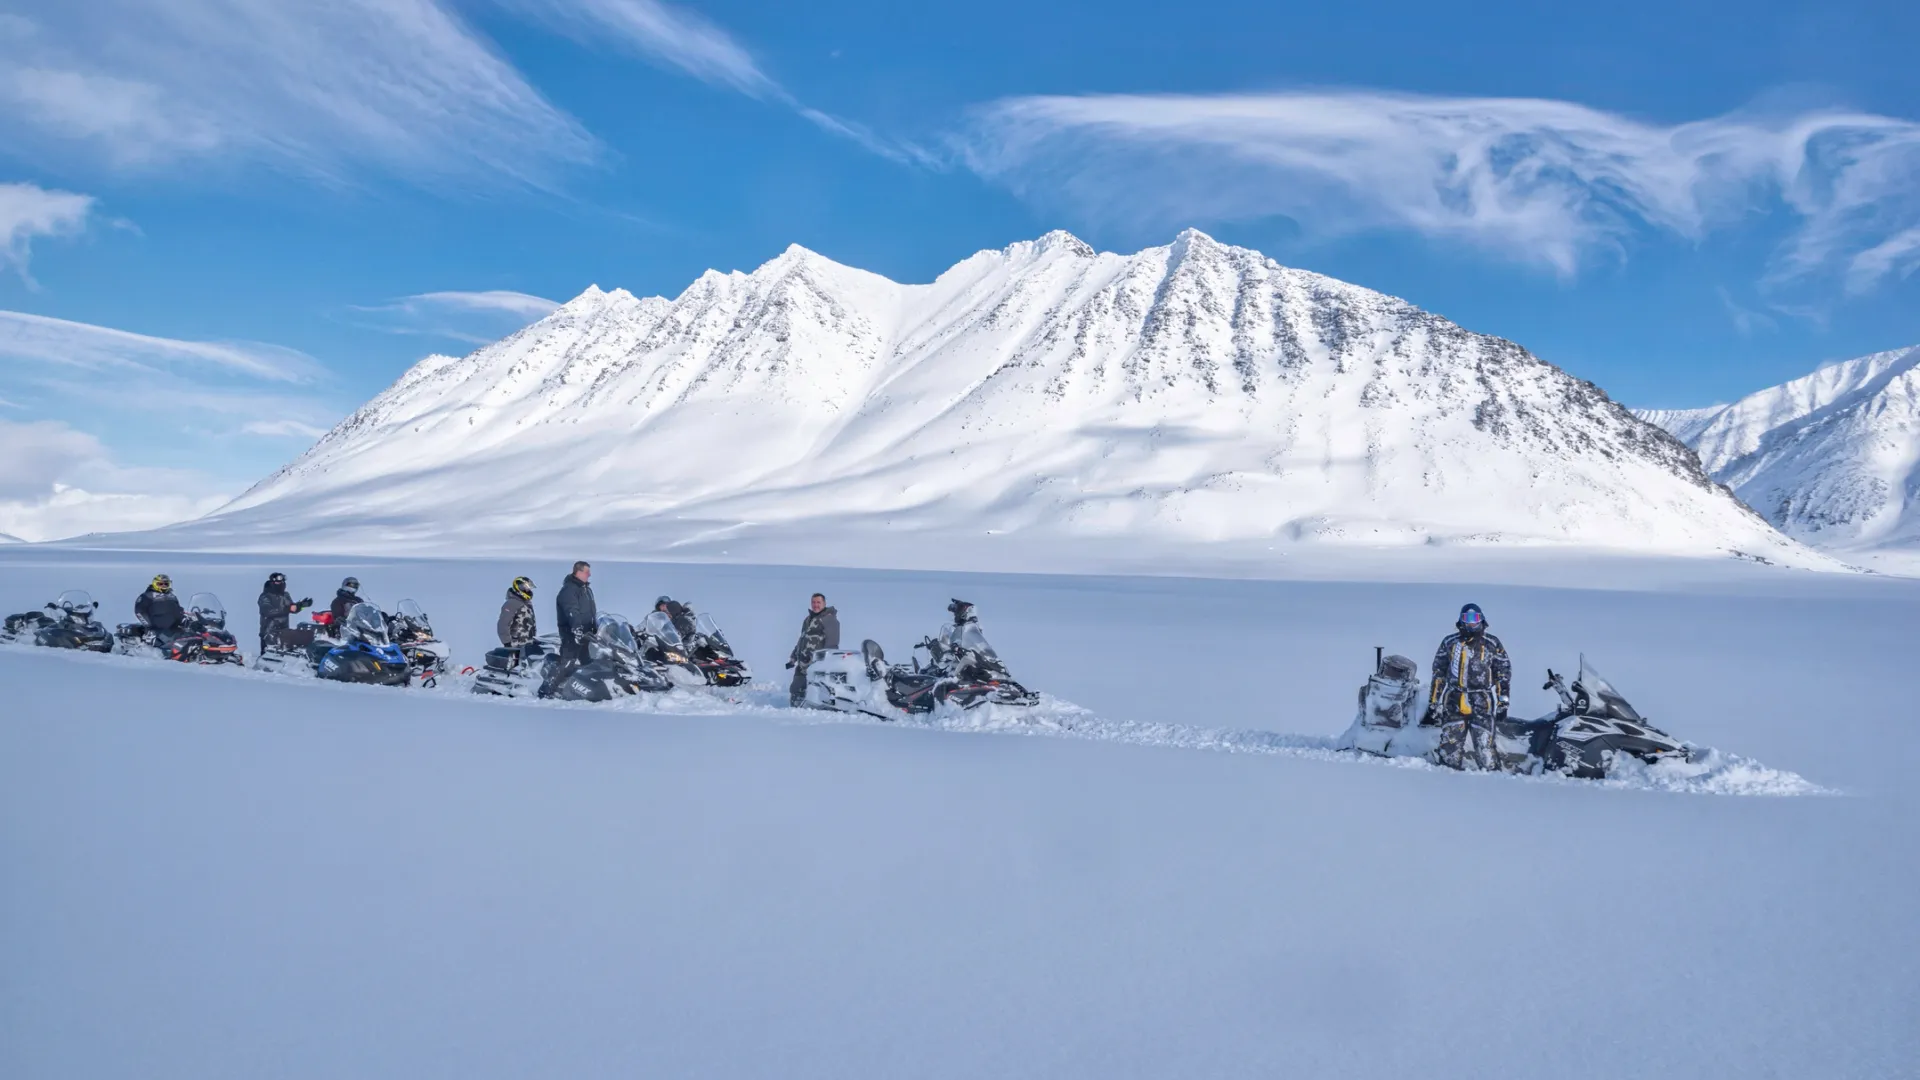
(65,623)
(615,667)
(662,646)
(1583,738)
(364,653)
(714,657)
(201,638)
(962,669)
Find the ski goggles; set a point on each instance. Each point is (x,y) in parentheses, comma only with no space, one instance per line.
(1472,618)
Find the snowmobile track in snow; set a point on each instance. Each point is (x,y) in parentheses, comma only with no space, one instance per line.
(1713,773)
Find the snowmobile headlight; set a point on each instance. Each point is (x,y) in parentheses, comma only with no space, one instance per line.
(674,657)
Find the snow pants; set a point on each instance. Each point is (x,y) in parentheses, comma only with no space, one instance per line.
(798,691)
(1467,742)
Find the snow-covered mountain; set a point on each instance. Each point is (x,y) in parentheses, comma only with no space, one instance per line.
(1186,399)
(8,538)
(1832,458)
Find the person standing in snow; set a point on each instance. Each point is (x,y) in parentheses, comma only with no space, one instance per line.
(516,623)
(276,611)
(1472,685)
(576,615)
(819,630)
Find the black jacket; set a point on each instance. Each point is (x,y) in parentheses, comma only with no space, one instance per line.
(515,625)
(276,611)
(159,610)
(574,610)
(819,630)
(343,602)
(1471,677)
(682,617)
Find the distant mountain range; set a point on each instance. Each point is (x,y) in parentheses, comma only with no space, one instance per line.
(1832,458)
(1044,397)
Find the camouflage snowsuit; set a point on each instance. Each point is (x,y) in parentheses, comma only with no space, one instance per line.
(1472,683)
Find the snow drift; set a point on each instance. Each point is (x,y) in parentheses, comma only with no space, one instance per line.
(1831,458)
(1047,397)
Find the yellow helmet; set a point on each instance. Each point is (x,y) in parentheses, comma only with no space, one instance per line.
(161,583)
(522,587)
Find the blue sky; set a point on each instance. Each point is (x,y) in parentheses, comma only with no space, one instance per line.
(224,223)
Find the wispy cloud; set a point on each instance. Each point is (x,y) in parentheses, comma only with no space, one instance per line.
(27,211)
(76,344)
(282,429)
(676,37)
(1746,320)
(327,87)
(1551,183)
(472,317)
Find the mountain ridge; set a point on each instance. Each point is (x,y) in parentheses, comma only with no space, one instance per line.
(1188,394)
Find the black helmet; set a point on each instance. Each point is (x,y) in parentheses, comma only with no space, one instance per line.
(1472,620)
(962,611)
(276,578)
(522,587)
(663,600)
(351,584)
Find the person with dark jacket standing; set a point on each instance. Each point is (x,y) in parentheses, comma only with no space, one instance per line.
(577,616)
(276,611)
(343,602)
(819,630)
(158,608)
(1472,685)
(516,624)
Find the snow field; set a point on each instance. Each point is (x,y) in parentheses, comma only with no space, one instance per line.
(216,872)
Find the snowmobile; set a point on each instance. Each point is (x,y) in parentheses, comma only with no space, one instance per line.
(962,670)
(662,647)
(710,652)
(65,623)
(410,630)
(517,671)
(615,667)
(201,638)
(1582,738)
(291,649)
(363,654)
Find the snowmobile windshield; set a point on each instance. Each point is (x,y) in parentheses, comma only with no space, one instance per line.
(660,625)
(75,602)
(615,630)
(974,639)
(1606,700)
(707,628)
(411,611)
(365,623)
(208,607)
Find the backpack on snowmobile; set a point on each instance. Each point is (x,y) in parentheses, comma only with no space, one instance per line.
(65,623)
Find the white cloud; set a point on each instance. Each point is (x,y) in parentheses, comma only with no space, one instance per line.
(27,211)
(282,429)
(328,87)
(1546,182)
(472,317)
(61,342)
(1745,320)
(56,482)
(661,32)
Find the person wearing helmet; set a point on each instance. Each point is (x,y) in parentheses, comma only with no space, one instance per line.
(276,610)
(516,623)
(343,601)
(158,608)
(819,630)
(681,614)
(1472,684)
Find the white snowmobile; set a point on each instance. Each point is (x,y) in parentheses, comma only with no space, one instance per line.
(962,671)
(1582,738)
(517,671)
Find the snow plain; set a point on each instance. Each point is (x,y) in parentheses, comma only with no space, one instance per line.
(221,873)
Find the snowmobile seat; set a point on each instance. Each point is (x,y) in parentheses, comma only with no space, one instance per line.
(876,660)
(504,658)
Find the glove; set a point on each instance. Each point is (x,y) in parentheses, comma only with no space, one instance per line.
(304,604)
(789,664)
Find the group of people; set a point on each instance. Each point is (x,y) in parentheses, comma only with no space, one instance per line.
(577,619)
